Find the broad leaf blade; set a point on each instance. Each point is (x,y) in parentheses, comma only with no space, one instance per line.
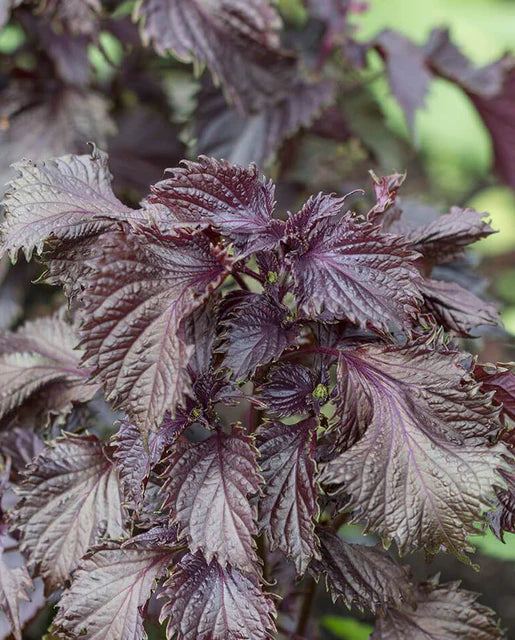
(237,40)
(362,576)
(288,390)
(207,490)
(445,238)
(139,290)
(258,331)
(288,507)
(236,200)
(407,73)
(443,611)
(423,472)
(39,368)
(350,270)
(70,497)
(63,198)
(222,132)
(109,591)
(206,602)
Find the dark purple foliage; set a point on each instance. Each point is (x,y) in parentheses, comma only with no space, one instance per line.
(232,381)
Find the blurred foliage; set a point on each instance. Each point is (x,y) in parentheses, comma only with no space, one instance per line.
(346,628)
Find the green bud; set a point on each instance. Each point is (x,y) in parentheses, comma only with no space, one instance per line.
(320,392)
(272,277)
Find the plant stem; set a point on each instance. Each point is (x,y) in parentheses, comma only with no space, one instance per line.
(307,603)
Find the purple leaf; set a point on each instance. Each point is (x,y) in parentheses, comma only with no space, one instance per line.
(206,602)
(70,497)
(350,270)
(12,293)
(201,329)
(407,73)
(491,89)
(455,308)
(255,137)
(497,114)
(445,238)
(109,592)
(139,290)
(133,461)
(446,60)
(443,611)
(21,445)
(364,577)
(64,198)
(51,122)
(423,471)
(288,389)
(39,368)
(236,39)
(289,506)
(499,378)
(236,200)
(256,334)
(14,584)
(207,490)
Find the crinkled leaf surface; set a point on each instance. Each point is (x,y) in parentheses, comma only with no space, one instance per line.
(237,40)
(14,583)
(288,507)
(288,390)
(71,496)
(457,309)
(39,359)
(365,577)
(423,471)
(443,611)
(139,290)
(500,379)
(258,331)
(345,269)
(63,198)
(207,490)
(109,591)
(206,602)
(444,238)
(133,461)
(236,200)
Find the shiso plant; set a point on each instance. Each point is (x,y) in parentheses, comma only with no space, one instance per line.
(229,382)
(327,325)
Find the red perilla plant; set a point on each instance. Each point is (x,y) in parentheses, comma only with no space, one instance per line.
(228,382)
(328,325)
